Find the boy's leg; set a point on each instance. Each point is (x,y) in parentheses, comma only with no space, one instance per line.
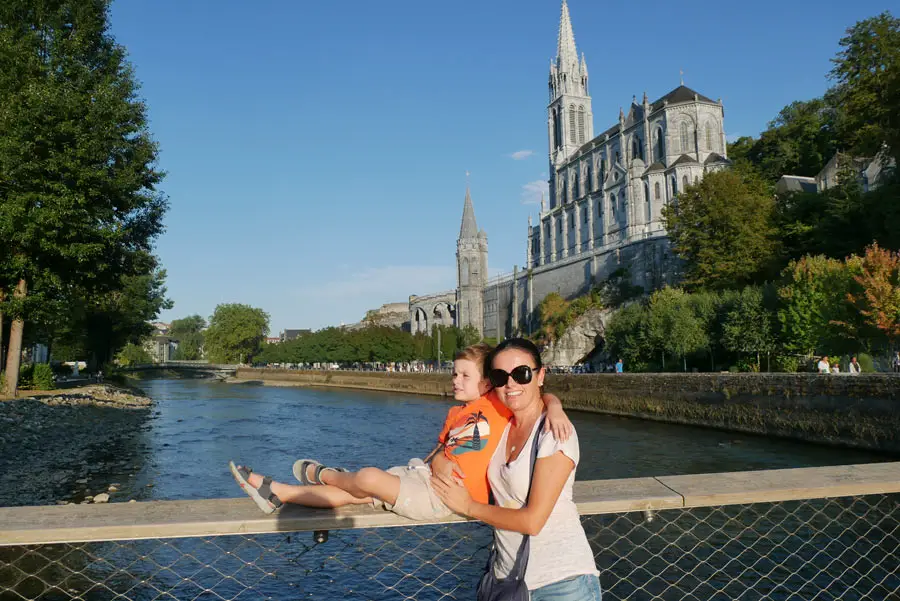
(367,482)
(310,496)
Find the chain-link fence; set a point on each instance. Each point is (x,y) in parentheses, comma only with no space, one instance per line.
(842,548)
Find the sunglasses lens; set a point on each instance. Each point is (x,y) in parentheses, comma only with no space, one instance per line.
(522,374)
(498,378)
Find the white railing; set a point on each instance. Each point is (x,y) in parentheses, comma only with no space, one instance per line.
(797,534)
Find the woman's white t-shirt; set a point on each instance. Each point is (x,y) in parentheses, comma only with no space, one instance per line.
(561,549)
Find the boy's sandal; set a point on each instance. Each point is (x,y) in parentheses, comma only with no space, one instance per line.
(301,467)
(263,496)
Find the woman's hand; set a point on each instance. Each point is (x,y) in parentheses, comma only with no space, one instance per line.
(557,420)
(454,495)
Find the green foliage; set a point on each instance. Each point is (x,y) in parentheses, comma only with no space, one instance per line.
(865,71)
(236,333)
(42,377)
(723,228)
(189,334)
(627,335)
(556,315)
(674,327)
(79,208)
(379,344)
(133,354)
(814,313)
(866,363)
(749,327)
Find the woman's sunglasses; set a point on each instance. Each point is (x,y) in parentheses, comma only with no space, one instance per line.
(521,374)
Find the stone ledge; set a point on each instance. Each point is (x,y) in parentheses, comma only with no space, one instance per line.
(215,517)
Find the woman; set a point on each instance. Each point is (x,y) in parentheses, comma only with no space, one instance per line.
(561,564)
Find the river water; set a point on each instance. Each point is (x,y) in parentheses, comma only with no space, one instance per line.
(182,448)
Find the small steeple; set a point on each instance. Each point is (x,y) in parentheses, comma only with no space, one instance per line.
(468,229)
(584,70)
(566,54)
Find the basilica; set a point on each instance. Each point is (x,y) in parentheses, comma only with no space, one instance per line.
(604,211)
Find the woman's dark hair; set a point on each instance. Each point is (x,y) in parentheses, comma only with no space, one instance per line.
(520,344)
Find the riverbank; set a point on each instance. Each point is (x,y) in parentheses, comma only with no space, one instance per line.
(47,440)
(859,412)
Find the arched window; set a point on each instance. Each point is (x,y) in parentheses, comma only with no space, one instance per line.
(576,187)
(684,182)
(617,156)
(637,149)
(686,143)
(612,206)
(581,124)
(711,137)
(557,129)
(464,273)
(584,214)
(674,186)
(647,200)
(572,123)
(589,185)
(660,145)
(656,190)
(602,171)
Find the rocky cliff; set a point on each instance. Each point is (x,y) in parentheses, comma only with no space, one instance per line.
(579,340)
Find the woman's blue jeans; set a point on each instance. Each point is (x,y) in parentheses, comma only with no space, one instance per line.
(580,588)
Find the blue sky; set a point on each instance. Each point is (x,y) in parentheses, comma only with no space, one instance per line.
(317,151)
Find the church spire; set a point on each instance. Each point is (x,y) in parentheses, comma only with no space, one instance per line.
(468,229)
(566,54)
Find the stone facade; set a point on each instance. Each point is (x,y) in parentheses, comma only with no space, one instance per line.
(607,193)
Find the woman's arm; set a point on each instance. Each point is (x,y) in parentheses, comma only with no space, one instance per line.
(557,420)
(550,475)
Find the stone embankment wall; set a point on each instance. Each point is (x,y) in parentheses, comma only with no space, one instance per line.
(857,411)
(428,384)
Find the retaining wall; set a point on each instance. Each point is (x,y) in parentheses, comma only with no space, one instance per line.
(857,411)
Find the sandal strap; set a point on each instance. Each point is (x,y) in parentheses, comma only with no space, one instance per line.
(265,491)
(317,477)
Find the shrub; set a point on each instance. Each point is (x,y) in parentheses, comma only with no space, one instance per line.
(42,377)
(866,363)
(785,363)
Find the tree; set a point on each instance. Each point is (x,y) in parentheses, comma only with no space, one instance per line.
(78,199)
(189,334)
(749,326)
(723,228)
(551,312)
(879,299)
(813,312)
(626,335)
(236,333)
(133,354)
(866,71)
(799,141)
(468,336)
(673,326)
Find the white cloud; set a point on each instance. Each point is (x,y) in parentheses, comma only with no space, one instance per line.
(347,298)
(531,192)
(521,155)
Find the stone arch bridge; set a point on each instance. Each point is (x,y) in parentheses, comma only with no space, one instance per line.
(197,369)
(432,310)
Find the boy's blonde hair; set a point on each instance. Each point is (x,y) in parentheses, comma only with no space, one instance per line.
(477,354)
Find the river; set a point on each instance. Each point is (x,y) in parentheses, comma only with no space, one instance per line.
(181,448)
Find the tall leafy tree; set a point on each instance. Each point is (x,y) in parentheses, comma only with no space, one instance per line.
(749,326)
(188,331)
(78,198)
(236,333)
(723,229)
(865,74)
(879,298)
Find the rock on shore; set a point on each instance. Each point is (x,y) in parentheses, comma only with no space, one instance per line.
(57,446)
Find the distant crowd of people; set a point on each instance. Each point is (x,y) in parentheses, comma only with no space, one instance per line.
(824,366)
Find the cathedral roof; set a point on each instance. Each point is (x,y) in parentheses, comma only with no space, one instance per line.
(468,229)
(715,157)
(685,160)
(657,166)
(680,94)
